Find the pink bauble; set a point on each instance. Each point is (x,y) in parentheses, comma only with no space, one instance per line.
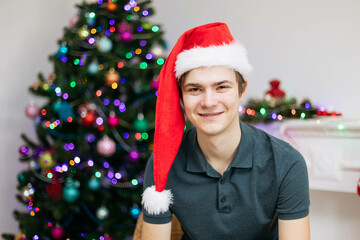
(108,238)
(106,146)
(154,84)
(73,21)
(57,232)
(113,121)
(32,111)
(126,36)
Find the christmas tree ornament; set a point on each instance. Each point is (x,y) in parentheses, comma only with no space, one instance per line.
(88,114)
(91,20)
(108,238)
(57,232)
(83,32)
(113,120)
(135,212)
(104,45)
(102,213)
(24,151)
(27,192)
(71,193)
(21,178)
(154,83)
(32,165)
(125,36)
(63,109)
(46,160)
(141,124)
(20,236)
(137,86)
(93,68)
(54,189)
(51,77)
(89,119)
(31,110)
(134,156)
(36,85)
(111,6)
(73,21)
(112,76)
(106,146)
(274,95)
(157,50)
(94,184)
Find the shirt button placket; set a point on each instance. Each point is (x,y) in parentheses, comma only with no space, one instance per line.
(222,191)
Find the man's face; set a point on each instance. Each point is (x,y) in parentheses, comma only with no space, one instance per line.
(211,100)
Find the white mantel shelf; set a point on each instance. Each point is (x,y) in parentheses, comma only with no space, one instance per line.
(330,146)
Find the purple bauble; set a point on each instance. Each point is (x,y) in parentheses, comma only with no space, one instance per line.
(126,36)
(57,232)
(24,150)
(32,111)
(106,146)
(134,156)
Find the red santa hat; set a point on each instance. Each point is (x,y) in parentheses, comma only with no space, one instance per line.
(204,46)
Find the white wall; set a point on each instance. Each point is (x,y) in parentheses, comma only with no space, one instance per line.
(312,46)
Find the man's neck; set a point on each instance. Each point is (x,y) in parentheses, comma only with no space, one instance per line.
(220,150)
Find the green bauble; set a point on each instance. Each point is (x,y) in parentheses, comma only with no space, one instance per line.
(71,194)
(141,125)
(46,161)
(21,177)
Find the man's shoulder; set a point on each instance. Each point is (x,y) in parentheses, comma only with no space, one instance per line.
(280,148)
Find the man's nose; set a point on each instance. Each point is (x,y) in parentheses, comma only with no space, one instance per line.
(210,99)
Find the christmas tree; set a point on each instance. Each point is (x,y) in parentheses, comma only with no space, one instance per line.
(95,131)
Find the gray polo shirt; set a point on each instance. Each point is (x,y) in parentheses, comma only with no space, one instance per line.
(266,180)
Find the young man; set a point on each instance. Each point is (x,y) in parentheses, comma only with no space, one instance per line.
(222,179)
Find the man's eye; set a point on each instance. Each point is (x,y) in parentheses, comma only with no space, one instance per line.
(223,87)
(194,89)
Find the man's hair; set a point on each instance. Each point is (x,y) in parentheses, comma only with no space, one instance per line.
(239,80)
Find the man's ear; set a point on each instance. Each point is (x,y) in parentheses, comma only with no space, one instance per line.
(244,90)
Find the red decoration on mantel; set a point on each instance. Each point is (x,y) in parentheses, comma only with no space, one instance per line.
(358,187)
(275,90)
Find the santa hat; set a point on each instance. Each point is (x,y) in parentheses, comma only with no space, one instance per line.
(204,46)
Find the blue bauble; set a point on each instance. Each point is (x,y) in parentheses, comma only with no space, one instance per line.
(93,68)
(94,184)
(105,45)
(71,194)
(91,21)
(135,212)
(65,110)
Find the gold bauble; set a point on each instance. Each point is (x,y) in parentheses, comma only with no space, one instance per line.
(111,77)
(111,7)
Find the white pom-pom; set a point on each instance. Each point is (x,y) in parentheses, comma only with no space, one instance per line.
(156,202)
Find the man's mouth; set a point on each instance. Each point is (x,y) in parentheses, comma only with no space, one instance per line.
(210,114)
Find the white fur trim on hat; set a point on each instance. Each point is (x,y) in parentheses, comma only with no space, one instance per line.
(156,202)
(232,55)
